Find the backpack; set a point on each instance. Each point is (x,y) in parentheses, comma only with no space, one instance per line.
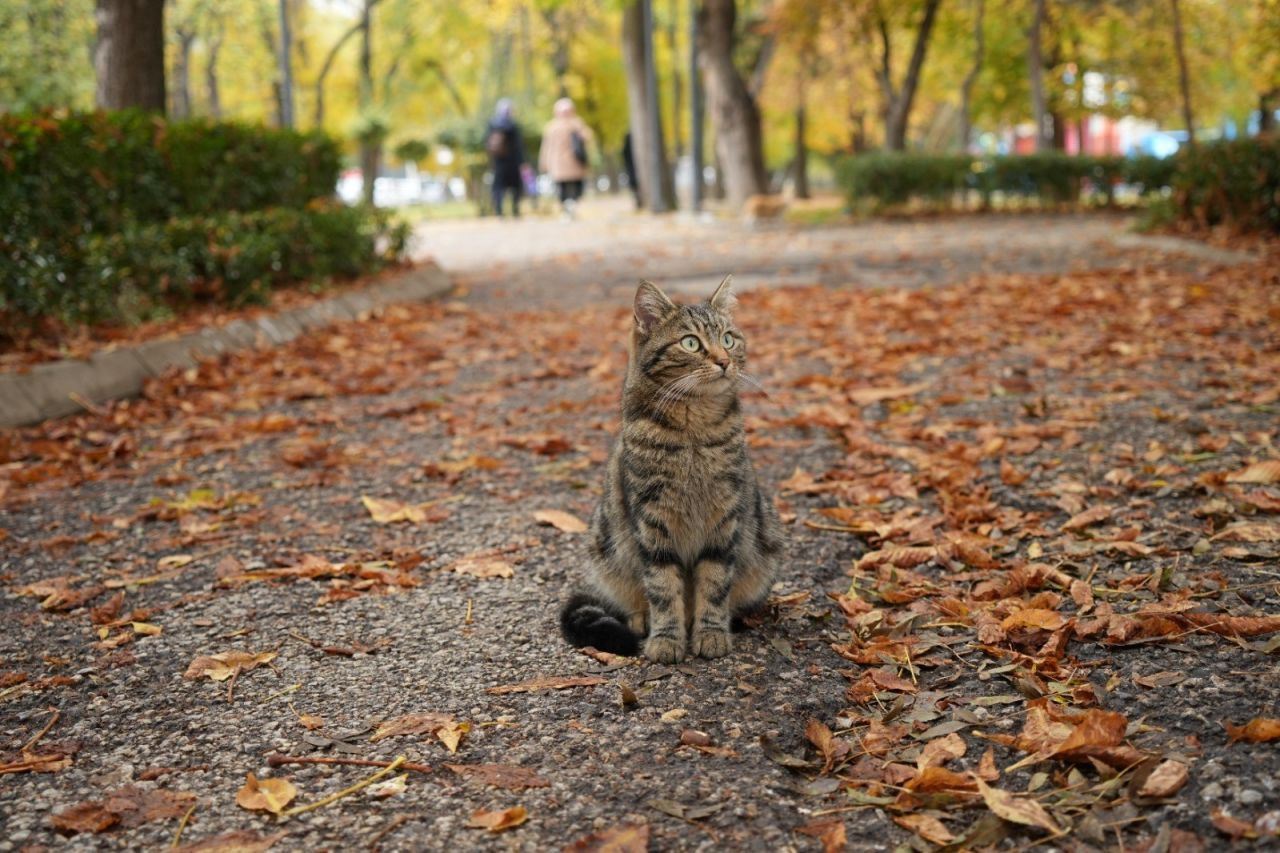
(496,143)
(579,147)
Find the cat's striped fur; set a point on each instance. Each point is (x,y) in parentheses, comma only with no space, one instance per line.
(683,537)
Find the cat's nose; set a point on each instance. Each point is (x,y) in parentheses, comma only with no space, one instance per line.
(723,361)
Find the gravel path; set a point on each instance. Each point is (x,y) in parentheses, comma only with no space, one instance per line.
(227,507)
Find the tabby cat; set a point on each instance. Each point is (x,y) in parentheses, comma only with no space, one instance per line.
(683,538)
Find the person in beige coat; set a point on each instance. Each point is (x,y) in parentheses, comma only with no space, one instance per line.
(565,153)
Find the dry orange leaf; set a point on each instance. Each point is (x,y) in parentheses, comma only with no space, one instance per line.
(1034,617)
(499,820)
(483,567)
(507,776)
(1264,473)
(550,682)
(444,727)
(1092,515)
(222,666)
(271,795)
(1249,531)
(1257,730)
(926,826)
(389,511)
(941,750)
(629,838)
(563,521)
(1166,780)
(1015,809)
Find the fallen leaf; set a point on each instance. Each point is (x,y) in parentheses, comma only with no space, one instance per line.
(550,682)
(1015,809)
(448,730)
(389,512)
(628,838)
(222,666)
(1231,826)
(239,841)
(941,750)
(1264,473)
(1093,515)
(129,807)
(271,795)
(482,567)
(507,776)
(146,629)
(926,826)
(1249,531)
(1038,618)
(562,521)
(499,820)
(390,788)
(1257,730)
(830,832)
(1166,780)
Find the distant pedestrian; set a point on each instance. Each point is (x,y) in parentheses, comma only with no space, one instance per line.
(505,147)
(564,155)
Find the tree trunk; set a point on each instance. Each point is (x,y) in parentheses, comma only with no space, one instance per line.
(286,67)
(369,149)
(647,146)
(966,89)
(1035,73)
(735,116)
(800,173)
(1266,112)
(129,54)
(182,73)
(326,67)
(898,100)
(677,82)
(211,77)
(1184,77)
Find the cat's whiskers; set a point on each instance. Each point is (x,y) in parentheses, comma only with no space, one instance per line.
(751,380)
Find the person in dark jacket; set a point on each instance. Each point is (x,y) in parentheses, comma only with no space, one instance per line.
(505,147)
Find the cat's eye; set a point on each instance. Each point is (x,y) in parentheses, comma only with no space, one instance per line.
(728,340)
(691,343)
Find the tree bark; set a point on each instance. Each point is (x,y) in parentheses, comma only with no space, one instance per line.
(800,169)
(735,116)
(129,54)
(369,149)
(211,77)
(1035,74)
(1184,77)
(966,88)
(326,67)
(898,100)
(286,66)
(182,73)
(677,81)
(1266,112)
(647,146)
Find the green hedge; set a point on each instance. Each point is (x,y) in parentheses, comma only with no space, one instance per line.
(1235,182)
(101,213)
(887,180)
(230,257)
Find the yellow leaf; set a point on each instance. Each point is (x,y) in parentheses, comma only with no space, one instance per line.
(271,795)
(1255,531)
(1015,809)
(391,787)
(562,521)
(387,512)
(927,827)
(483,567)
(451,734)
(1265,472)
(174,561)
(147,629)
(1165,781)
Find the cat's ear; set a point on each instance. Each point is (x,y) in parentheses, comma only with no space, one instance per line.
(723,299)
(652,307)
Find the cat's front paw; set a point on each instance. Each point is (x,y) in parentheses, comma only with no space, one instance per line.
(712,643)
(664,650)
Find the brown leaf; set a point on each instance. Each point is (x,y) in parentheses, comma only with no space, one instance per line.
(1231,826)
(888,681)
(865,396)
(1093,515)
(926,826)
(271,795)
(829,831)
(239,841)
(628,838)
(444,727)
(987,770)
(941,750)
(389,511)
(1249,531)
(499,820)
(1015,809)
(1264,473)
(483,567)
(130,806)
(1033,617)
(1257,730)
(222,666)
(1082,595)
(507,776)
(549,682)
(1166,780)
(562,521)
(89,816)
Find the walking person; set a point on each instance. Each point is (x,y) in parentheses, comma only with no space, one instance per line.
(505,148)
(564,154)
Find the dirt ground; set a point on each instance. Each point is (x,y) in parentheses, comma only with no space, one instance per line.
(1030,485)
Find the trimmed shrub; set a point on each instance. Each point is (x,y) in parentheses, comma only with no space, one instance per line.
(1051,178)
(1235,182)
(99,211)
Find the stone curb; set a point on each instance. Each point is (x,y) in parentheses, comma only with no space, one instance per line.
(65,387)
(1183,246)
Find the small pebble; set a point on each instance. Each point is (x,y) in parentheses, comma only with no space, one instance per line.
(1249,797)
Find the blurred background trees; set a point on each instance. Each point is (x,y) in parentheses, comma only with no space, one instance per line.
(782,78)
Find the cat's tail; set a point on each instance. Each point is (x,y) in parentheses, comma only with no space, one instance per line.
(589,620)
